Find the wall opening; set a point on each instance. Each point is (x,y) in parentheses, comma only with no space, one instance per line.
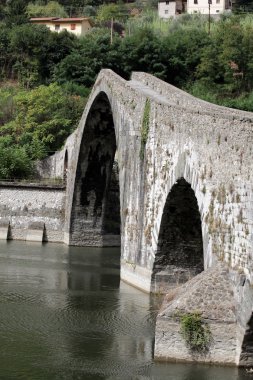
(179,254)
(65,169)
(246,357)
(95,219)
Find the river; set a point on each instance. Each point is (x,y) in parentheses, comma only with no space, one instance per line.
(64,314)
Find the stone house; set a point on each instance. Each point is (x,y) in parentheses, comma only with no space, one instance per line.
(171,8)
(78,25)
(202,6)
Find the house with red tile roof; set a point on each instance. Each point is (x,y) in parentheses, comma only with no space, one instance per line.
(76,25)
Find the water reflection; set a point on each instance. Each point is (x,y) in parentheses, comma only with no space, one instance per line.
(65,315)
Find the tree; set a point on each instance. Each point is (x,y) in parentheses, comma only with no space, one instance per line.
(15,12)
(241,6)
(34,51)
(46,115)
(226,62)
(51,9)
(14,160)
(142,52)
(43,119)
(181,54)
(86,60)
(5,53)
(112,11)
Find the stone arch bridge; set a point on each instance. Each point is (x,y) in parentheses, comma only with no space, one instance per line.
(169,178)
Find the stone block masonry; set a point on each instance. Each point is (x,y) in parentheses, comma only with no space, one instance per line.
(22,207)
(211,295)
(4,229)
(180,203)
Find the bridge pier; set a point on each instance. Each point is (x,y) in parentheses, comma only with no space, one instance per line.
(136,275)
(213,297)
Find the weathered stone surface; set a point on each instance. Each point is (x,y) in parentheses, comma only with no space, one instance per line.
(186,195)
(210,293)
(200,142)
(213,295)
(30,209)
(35,231)
(4,229)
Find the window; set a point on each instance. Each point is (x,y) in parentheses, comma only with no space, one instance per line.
(166,11)
(195,1)
(73,26)
(57,27)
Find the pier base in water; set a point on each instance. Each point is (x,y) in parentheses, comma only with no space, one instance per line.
(214,298)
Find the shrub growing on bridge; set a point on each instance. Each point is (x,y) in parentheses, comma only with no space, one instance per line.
(195,332)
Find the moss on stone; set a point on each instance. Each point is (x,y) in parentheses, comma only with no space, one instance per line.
(145,128)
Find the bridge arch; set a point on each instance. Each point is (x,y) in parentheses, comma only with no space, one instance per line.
(179,255)
(96,185)
(246,356)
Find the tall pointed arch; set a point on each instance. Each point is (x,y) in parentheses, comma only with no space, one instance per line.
(95,216)
(179,254)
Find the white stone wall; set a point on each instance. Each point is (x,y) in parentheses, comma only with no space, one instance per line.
(167,9)
(22,206)
(81,28)
(201,6)
(53,166)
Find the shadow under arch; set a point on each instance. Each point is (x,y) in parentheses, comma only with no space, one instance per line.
(179,254)
(95,214)
(246,357)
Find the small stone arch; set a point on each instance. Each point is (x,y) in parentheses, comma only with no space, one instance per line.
(179,255)
(95,214)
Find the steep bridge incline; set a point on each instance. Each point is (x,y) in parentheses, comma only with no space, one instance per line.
(185,176)
(169,178)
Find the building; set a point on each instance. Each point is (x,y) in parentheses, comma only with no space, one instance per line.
(78,26)
(202,6)
(171,8)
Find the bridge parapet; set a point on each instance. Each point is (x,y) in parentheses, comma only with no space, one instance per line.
(182,99)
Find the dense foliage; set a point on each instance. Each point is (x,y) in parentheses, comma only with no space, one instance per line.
(34,124)
(51,9)
(45,76)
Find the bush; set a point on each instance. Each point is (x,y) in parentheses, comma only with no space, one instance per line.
(195,332)
(14,162)
(43,119)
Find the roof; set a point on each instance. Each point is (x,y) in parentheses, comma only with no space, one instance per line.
(43,18)
(58,19)
(74,19)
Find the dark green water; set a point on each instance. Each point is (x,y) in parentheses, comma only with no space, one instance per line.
(65,315)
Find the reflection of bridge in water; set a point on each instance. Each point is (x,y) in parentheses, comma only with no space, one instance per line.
(180,191)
